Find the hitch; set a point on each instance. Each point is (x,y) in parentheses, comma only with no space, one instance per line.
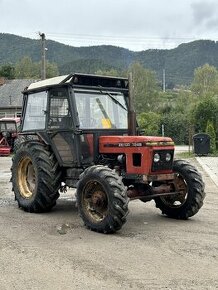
(147,193)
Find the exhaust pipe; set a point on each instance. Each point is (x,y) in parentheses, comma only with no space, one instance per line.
(131,111)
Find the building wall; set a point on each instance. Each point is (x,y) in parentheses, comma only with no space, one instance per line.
(11,97)
(10,112)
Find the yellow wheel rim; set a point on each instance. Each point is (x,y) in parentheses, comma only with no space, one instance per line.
(26,178)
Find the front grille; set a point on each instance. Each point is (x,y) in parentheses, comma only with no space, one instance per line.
(162,164)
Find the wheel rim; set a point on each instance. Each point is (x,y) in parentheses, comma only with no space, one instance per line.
(26,178)
(95,201)
(177,200)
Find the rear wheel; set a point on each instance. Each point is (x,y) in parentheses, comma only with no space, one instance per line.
(190,187)
(19,141)
(102,199)
(35,177)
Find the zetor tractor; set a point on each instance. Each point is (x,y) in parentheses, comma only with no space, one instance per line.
(83,135)
(9,128)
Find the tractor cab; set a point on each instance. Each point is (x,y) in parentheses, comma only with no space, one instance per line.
(72,112)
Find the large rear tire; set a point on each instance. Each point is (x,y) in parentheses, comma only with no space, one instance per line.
(188,182)
(19,141)
(102,199)
(35,177)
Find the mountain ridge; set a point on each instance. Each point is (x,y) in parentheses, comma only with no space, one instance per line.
(179,63)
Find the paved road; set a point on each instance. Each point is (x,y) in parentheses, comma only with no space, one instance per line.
(150,251)
(210,165)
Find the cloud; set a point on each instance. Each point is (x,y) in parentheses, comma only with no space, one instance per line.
(203,11)
(136,24)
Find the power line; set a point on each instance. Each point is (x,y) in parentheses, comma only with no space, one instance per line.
(132,42)
(131,37)
(146,41)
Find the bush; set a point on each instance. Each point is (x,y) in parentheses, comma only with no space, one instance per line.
(150,123)
(176,127)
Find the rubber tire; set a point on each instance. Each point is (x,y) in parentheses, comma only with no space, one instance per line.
(19,141)
(195,192)
(116,197)
(47,173)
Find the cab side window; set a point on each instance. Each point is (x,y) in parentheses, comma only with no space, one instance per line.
(35,114)
(59,111)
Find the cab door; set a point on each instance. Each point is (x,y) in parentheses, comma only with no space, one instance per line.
(61,128)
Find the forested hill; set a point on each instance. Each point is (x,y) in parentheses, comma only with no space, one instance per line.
(179,63)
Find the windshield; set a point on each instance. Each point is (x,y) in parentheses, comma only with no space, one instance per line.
(10,126)
(101,110)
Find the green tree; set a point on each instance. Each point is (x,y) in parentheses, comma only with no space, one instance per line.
(206,110)
(176,125)
(51,69)
(205,81)
(111,72)
(7,71)
(150,123)
(211,132)
(26,68)
(145,88)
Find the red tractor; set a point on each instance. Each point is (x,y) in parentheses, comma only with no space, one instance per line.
(9,128)
(85,136)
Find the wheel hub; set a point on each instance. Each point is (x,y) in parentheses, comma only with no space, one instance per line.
(178,199)
(95,201)
(98,198)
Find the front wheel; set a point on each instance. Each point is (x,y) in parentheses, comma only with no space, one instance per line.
(102,199)
(190,187)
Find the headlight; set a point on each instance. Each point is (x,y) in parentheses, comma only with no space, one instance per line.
(168,157)
(156,157)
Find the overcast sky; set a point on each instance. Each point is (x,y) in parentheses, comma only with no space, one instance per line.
(133,24)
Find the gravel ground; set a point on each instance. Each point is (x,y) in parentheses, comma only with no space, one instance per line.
(55,251)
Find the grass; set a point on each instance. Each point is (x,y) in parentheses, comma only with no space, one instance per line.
(186,155)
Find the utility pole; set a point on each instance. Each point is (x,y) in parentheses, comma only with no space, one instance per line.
(162,130)
(164,80)
(43,69)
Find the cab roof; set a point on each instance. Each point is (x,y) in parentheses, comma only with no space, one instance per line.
(81,80)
